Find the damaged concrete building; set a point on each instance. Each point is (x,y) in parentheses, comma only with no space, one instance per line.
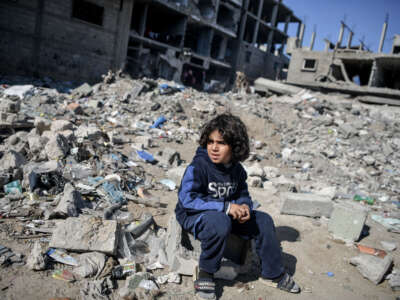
(196,42)
(349,68)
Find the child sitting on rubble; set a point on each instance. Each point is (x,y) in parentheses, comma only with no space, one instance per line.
(214,201)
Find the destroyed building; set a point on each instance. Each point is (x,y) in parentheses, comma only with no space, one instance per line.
(196,42)
(349,68)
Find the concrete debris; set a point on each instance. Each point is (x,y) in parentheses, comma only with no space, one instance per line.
(86,234)
(97,170)
(347,221)
(372,267)
(308,205)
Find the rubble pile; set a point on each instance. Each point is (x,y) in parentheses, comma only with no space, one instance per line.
(84,171)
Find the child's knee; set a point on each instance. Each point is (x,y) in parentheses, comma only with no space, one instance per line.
(220,224)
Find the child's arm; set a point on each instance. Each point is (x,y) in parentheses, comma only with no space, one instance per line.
(193,193)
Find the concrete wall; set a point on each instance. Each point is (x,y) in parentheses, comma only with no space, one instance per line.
(296,73)
(45,33)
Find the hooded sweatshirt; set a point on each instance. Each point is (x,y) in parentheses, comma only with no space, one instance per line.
(209,186)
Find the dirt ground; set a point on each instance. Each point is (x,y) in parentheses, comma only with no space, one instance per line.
(309,252)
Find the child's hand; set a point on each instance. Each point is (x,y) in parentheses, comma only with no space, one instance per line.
(239,212)
(246,217)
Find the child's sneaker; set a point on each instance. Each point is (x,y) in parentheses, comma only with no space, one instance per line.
(284,282)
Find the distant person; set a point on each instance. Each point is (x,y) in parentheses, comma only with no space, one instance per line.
(214,201)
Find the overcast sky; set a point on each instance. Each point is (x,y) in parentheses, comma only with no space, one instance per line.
(365,17)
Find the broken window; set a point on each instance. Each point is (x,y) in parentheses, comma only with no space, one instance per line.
(396,50)
(310,64)
(88,12)
(207,9)
(358,71)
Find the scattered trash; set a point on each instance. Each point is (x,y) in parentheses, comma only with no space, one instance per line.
(371,251)
(63,275)
(13,187)
(61,257)
(365,199)
(147,157)
(330,274)
(159,122)
(168,183)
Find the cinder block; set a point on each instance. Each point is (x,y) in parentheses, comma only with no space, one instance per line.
(372,267)
(309,205)
(183,251)
(347,221)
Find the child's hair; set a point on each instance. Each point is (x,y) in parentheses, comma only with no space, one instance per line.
(233,131)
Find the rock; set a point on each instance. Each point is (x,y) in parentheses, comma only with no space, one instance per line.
(70,204)
(37,260)
(255,181)
(86,234)
(309,205)
(255,170)
(347,130)
(372,267)
(42,124)
(271,172)
(9,106)
(82,91)
(269,188)
(36,143)
(347,221)
(19,90)
(61,125)
(394,280)
(91,132)
(57,147)
(11,160)
(228,270)
(388,246)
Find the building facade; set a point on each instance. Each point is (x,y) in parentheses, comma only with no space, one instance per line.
(196,42)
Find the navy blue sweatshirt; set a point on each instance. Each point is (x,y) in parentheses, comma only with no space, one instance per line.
(209,186)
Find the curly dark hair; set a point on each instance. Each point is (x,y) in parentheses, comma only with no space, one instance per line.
(233,131)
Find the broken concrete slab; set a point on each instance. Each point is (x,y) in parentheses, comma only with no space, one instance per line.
(85,234)
(372,267)
(70,204)
(266,85)
(255,170)
(176,174)
(57,147)
(37,260)
(61,125)
(91,132)
(347,221)
(42,124)
(11,160)
(19,90)
(82,91)
(309,205)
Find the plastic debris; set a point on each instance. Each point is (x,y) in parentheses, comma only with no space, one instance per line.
(159,122)
(168,183)
(62,257)
(63,275)
(13,187)
(146,156)
(391,224)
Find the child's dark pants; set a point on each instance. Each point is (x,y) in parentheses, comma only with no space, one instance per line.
(212,229)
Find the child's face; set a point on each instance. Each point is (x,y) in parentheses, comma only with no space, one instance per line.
(218,151)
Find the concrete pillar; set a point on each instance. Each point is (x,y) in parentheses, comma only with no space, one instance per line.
(298,29)
(383,36)
(301,37)
(327,45)
(350,39)
(287,21)
(339,42)
(143,21)
(273,24)
(222,48)
(122,36)
(259,12)
(312,41)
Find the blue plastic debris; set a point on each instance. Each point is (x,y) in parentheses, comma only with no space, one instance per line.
(117,196)
(146,156)
(330,274)
(159,122)
(168,183)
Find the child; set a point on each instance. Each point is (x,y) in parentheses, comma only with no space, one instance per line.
(214,201)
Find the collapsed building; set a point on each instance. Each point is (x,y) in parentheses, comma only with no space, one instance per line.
(352,69)
(196,42)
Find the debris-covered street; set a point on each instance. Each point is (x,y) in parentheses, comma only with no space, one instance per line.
(90,177)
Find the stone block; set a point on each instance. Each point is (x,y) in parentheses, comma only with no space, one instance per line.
(11,160)
(86,234)
(255,170)
(42,124)
(183,251)
(309,205)
(61,125)
(91,132)
(347,221)
(372,267)
(70,204)
(255,181)
(56,147)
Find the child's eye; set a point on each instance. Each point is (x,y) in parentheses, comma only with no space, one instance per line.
(222,142)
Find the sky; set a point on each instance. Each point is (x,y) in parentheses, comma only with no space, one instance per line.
(364,17)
